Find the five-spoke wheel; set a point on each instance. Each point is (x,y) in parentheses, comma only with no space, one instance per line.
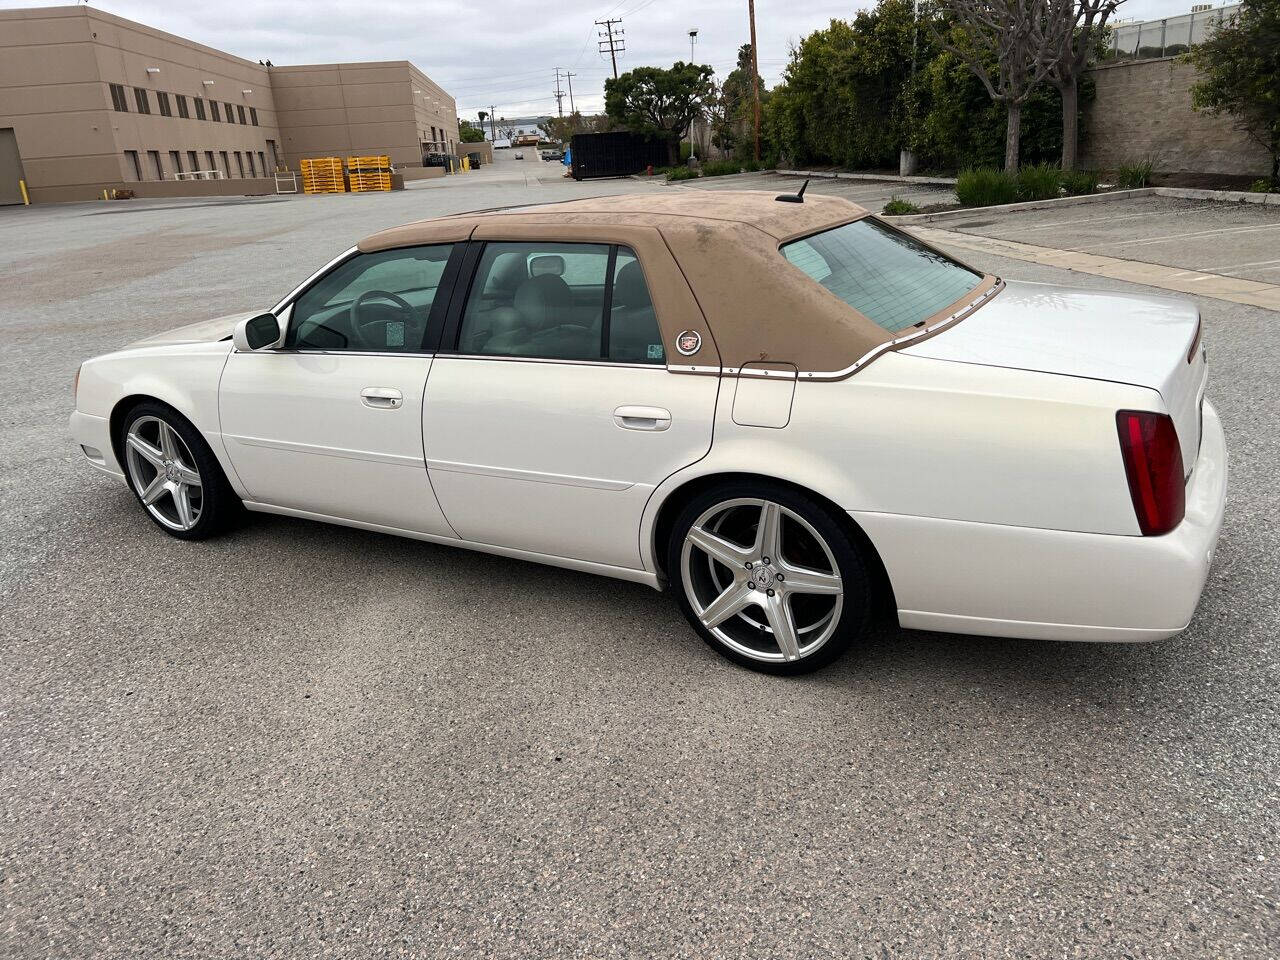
(769,577)
(174,473)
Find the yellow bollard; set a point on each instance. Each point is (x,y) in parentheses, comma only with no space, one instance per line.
(104,195)
(26,200)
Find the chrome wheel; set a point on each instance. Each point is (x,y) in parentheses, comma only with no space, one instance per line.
(164,474)
(762,580)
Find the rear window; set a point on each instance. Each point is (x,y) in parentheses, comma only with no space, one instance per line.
(883,274)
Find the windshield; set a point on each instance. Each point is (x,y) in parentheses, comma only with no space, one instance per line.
(883,274)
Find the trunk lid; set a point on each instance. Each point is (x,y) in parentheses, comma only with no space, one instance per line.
(1121,337)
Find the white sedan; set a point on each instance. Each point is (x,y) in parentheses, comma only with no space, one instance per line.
(791,412)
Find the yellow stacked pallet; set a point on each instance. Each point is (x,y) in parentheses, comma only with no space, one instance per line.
(369,173)
(323,175)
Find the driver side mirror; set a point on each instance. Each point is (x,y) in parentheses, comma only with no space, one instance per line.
(257,333)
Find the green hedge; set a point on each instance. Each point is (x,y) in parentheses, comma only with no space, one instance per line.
(985,187)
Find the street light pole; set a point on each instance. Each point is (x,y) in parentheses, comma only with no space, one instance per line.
(693,38)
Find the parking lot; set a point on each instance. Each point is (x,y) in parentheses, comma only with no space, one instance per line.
(305,740)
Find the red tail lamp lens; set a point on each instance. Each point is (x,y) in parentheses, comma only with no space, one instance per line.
(1153,464)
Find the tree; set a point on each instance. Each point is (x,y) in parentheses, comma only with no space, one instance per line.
(469,134)
(1239,67)
(662,103)
(1079,39)
(1009,46)
(484,115)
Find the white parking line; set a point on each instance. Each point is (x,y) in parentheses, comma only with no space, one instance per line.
(1070,223)
(1189,236)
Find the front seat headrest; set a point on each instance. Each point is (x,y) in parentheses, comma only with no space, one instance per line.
(629,289)
(544,301)
(548,264)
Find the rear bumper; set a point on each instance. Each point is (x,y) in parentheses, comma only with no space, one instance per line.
(977,578)
(93,435)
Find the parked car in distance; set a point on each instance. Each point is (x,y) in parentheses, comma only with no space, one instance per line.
(553,155)
(789,412)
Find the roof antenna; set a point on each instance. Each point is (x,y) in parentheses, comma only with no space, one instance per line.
(797,197)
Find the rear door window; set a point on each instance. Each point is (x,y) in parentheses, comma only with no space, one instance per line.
(885,275)
(560,301)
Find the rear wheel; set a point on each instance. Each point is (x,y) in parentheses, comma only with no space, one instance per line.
(768,577)
(174,474)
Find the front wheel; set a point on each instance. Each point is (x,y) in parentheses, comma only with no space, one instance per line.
(174,474)
(768,577)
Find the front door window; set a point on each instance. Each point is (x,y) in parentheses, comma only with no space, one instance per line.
(378,302)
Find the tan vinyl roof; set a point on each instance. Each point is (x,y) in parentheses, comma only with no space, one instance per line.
(748,301)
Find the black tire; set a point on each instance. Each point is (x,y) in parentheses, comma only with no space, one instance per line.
(856,603)
(219,507)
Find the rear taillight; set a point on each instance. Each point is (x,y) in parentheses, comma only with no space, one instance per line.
(1153,464)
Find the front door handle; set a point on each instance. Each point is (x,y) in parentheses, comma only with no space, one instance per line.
(381,398)
(642,418)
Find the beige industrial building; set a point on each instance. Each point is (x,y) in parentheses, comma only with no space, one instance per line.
(91,102)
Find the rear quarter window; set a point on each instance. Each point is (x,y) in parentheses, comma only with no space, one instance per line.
(887,276)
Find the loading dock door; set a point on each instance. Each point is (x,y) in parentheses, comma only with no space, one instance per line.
(10,167)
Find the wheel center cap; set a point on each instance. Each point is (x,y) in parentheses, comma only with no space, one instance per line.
(764,576)
(171,471)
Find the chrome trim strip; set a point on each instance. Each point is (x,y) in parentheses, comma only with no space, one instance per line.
(532,476)
(340,452)
(577,363)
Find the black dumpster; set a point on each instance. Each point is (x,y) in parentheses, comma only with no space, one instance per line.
(617,154)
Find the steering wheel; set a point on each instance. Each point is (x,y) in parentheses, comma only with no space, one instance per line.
(358,326)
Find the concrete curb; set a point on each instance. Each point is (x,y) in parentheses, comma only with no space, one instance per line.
(1224,196)
(1181,193)
(881,177)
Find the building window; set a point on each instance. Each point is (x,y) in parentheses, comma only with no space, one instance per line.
(240,163)
(231,117)
(240,112)
(199,108)
(252,171)
(117,99)
(213,164)
(182,106)
(253,115)
(162,98)
(155,162)
(195,160)
(213,112)
(262,160)
(144,105)
(175,158)
(226,161)
(275,157)
(132,165)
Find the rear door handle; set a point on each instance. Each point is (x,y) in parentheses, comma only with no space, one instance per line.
(642,418)
(381,398)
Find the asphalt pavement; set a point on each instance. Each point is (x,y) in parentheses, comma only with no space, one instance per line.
(301,740)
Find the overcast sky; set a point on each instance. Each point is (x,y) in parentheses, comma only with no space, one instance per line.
(503,52)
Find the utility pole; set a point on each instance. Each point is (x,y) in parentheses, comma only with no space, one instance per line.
(493,121)
(612,42)
(559,95)
(755,74)
(569,76)
(693,38)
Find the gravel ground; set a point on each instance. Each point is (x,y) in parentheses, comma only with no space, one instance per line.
(302,741)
